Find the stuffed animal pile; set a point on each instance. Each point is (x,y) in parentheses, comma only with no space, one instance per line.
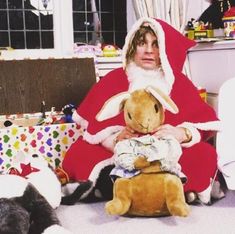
(30,191)
(156,188)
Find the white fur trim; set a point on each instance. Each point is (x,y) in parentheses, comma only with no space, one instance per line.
(194,127)
(99,137)
(140,78)
(156,26)
(12,186)
(79,120)
(56,229)
(196,137)
(98,167)
(207,126)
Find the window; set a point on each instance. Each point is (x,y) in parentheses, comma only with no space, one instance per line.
(26,24)
(48,28)
(99,20)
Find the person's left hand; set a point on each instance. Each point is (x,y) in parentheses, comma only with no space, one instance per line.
(167,129)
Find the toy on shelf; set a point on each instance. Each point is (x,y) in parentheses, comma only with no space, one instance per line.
(48,118)
(87,51)
(198,29)
(67,113)
(229,23)
(111,51)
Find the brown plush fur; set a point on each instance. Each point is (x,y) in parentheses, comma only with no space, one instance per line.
(136,118)
(153,192)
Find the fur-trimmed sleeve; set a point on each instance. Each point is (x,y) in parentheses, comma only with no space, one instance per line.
(192,109)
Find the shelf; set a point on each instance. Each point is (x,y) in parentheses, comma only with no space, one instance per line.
(107,64)
(117,59)
(213,44)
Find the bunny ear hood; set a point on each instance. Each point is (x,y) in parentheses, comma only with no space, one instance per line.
(172,52)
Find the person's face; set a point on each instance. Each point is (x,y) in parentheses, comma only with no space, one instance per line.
(147,53)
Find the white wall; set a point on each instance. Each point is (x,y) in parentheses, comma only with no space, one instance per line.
(196,7)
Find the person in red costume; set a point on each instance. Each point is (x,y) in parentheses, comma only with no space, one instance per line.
(154,54)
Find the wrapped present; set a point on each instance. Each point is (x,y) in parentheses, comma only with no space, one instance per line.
(53,82)
(52,141)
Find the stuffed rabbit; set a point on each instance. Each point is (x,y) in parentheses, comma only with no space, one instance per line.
(155,188)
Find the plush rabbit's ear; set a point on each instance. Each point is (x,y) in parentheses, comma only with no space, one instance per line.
(165,100)
(112,106)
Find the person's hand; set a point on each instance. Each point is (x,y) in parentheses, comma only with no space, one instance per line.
(177,132)
(126,133)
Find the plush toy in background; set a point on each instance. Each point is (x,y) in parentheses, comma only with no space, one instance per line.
(110,51)
(30,191)
(215,12)
(87,51)
(68,112)
(156,188)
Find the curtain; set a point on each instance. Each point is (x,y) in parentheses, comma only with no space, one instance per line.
(172,11)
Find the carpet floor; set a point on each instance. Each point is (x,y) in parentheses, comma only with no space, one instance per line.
(218,218)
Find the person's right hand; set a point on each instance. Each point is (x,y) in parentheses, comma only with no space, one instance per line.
(126,133)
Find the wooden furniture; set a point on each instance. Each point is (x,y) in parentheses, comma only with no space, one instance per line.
(24,84)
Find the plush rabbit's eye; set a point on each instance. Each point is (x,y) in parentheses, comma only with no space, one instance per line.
(129,115)
(156,108)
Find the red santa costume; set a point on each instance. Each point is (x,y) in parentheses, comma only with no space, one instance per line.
(92,151)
